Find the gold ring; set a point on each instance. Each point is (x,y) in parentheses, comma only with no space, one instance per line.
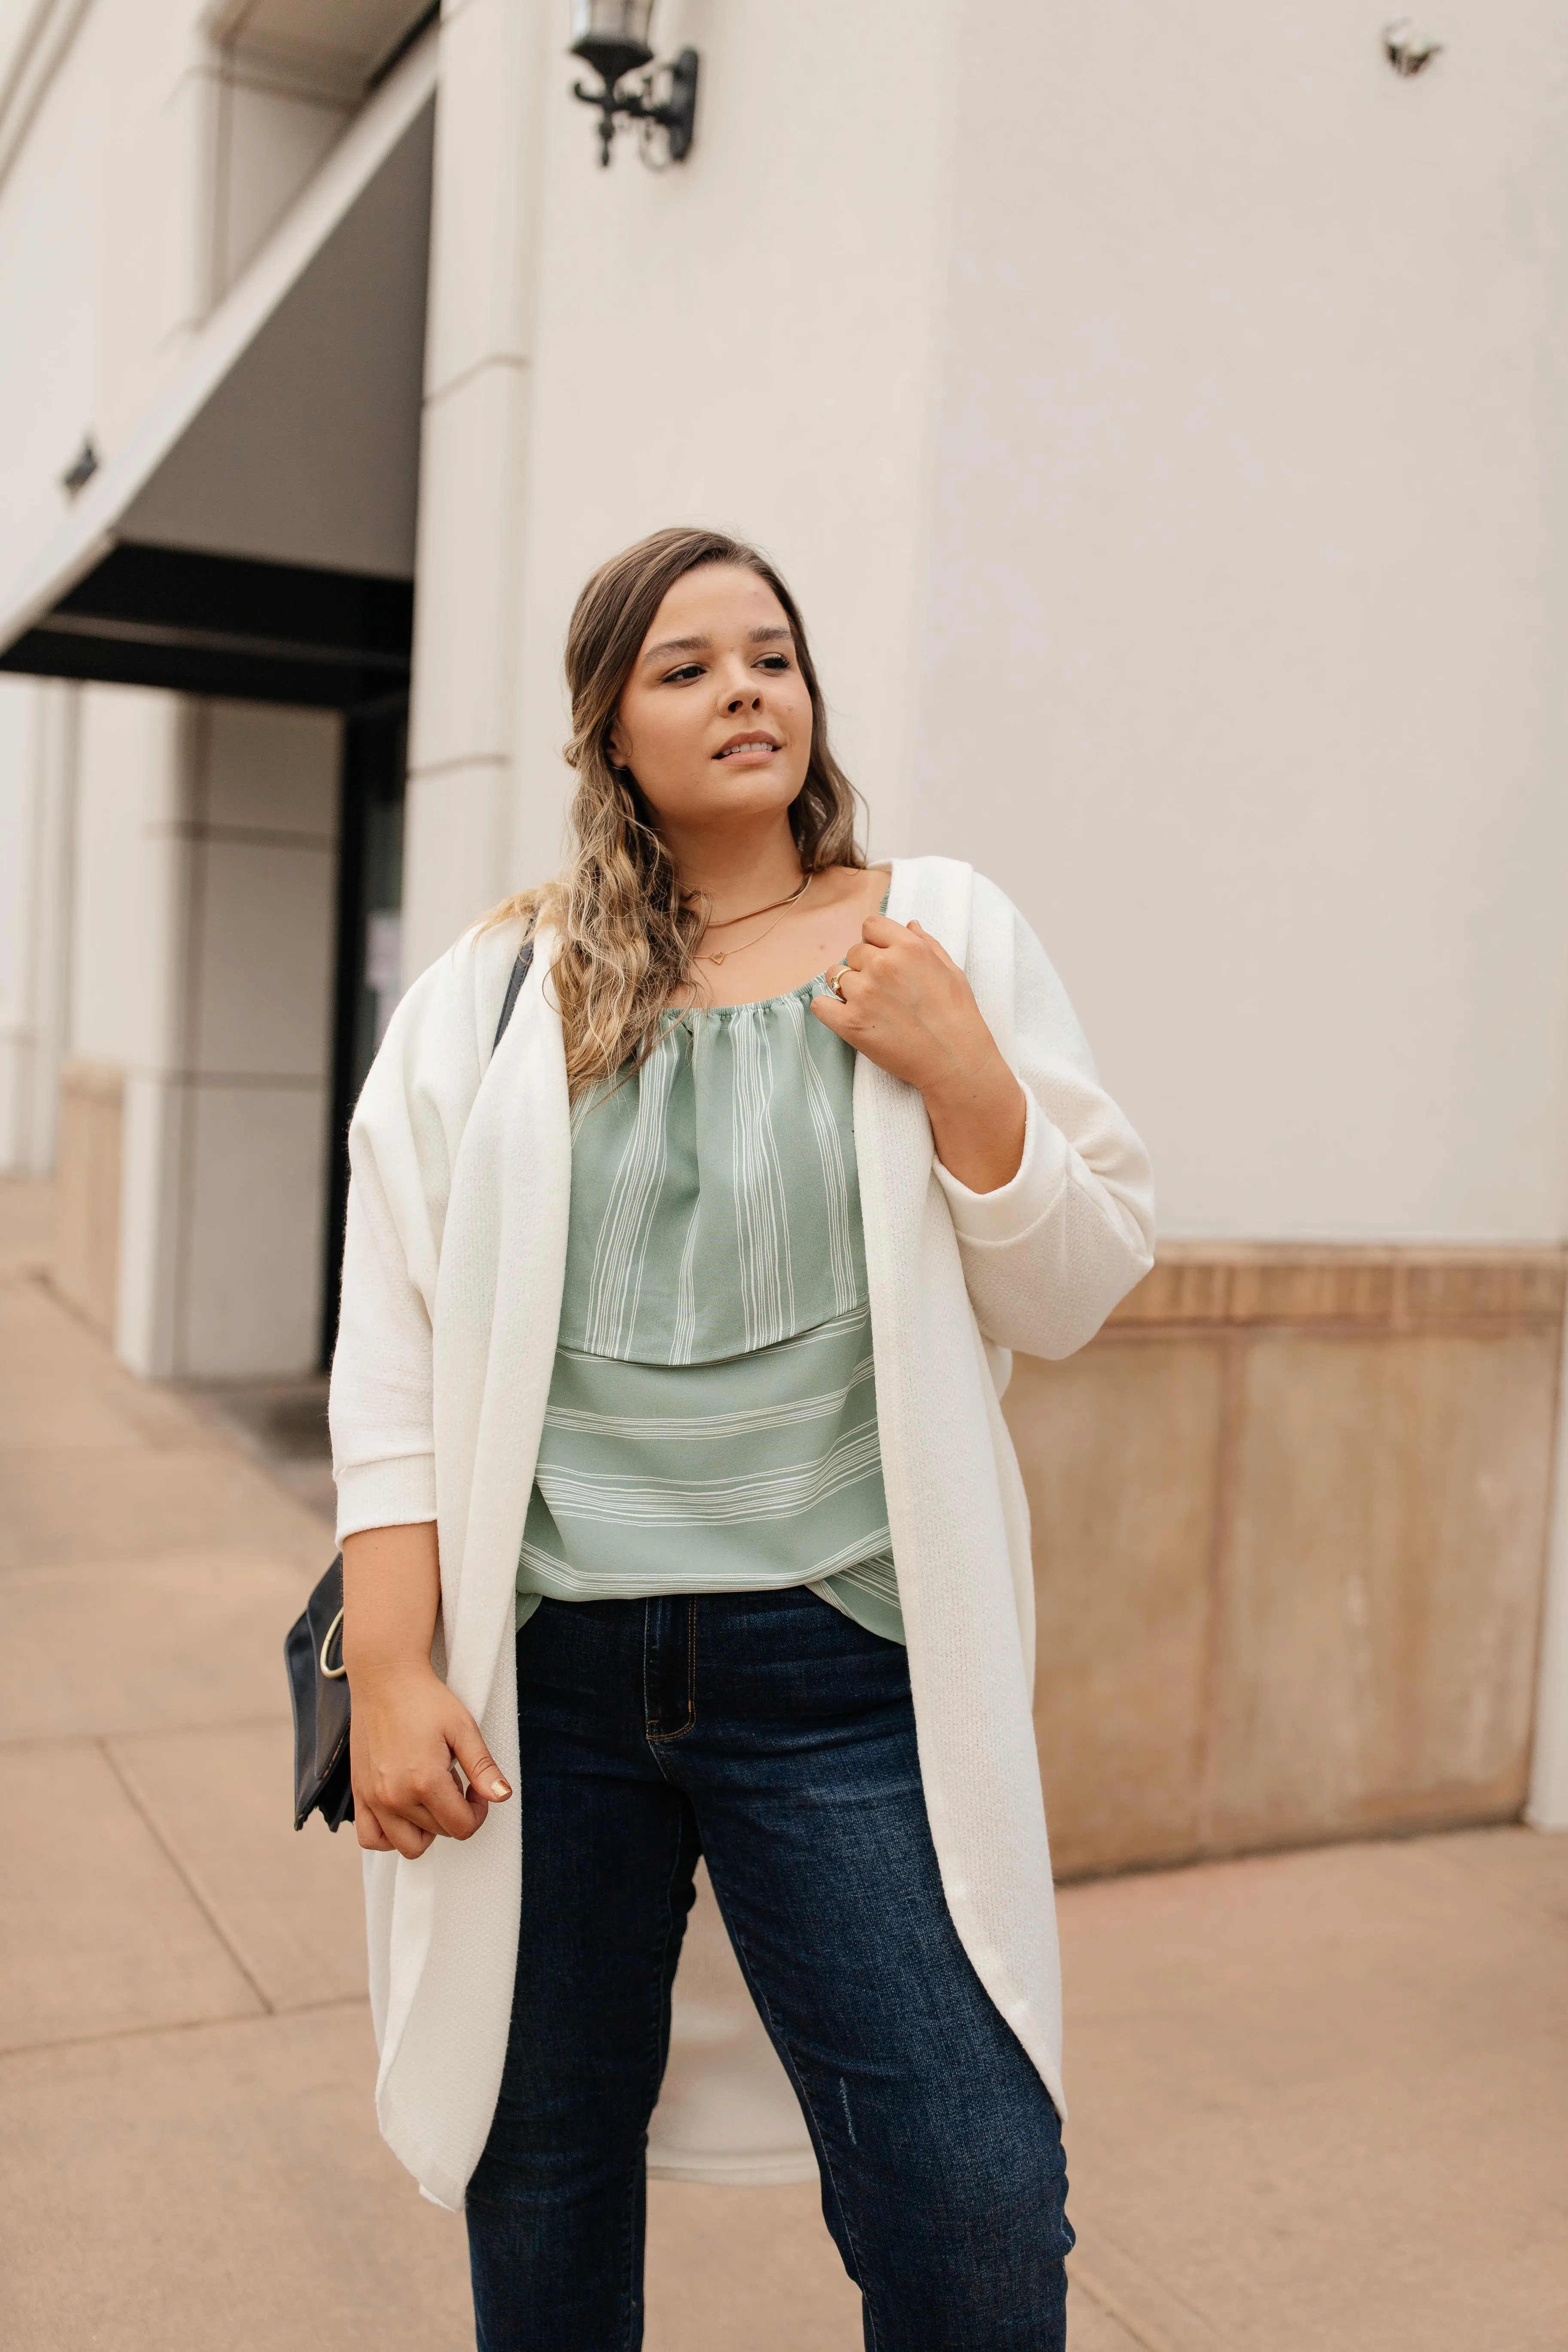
(834,980)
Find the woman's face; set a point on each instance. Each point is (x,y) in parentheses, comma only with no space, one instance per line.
(715,721)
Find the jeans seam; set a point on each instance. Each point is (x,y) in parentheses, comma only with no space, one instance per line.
(803,2094)
(661,2053)
(690,1659)
(667,1739)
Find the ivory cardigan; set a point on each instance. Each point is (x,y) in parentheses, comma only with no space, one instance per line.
(453,1268)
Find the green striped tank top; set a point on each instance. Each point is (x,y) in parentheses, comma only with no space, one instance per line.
(712,1417)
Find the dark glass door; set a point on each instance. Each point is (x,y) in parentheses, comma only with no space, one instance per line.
(369,958)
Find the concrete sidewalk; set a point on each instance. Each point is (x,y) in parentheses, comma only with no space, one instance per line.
(1321,2099)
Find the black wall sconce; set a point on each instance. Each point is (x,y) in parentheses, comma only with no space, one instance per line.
(1408,50)
(611,35)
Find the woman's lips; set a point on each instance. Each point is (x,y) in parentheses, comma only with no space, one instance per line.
(744,746)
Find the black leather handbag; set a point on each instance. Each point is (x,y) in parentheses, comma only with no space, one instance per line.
(319,1688)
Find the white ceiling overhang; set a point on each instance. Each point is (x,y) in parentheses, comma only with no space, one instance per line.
(255,532)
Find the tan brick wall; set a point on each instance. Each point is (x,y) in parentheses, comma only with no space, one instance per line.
(1290,1515)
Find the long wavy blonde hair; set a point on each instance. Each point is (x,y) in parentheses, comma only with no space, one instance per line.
(625,935)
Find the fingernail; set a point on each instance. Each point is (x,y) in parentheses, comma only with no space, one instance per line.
(500,1789)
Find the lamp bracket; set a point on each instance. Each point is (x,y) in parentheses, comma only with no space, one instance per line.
(675,115)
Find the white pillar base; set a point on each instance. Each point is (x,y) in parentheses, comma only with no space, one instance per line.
(1548,1806)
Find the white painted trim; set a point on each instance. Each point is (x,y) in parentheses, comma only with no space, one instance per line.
(40,50)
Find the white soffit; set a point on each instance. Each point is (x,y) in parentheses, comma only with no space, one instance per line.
(290,432)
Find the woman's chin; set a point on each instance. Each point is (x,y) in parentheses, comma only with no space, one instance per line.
(750,793)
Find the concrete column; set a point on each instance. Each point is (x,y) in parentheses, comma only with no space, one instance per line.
(205,963)
(471,519)
(1548,1806)
(39,728)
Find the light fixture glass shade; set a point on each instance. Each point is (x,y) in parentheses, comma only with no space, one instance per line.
(612,34)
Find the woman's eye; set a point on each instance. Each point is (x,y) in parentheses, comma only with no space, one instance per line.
(680,676)
(774,662)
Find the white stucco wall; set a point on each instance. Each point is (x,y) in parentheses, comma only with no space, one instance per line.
(1248,585)
(486,185)
(50,220)
(747,341)
(1159,414)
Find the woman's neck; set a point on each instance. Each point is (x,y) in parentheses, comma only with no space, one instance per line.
(734,875)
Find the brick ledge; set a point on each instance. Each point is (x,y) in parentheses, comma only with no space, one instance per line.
(1365,1286)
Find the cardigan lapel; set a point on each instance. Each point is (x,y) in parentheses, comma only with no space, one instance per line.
(955,1530)
(502,1266)
(511,1195)
(935,891)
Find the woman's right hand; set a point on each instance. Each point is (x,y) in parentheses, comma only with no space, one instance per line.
(405,1733)
(408,1735)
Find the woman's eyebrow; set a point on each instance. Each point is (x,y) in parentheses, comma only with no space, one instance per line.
(678,645)
(763,636)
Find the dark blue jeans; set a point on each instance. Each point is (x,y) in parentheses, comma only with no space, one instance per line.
(775,1737)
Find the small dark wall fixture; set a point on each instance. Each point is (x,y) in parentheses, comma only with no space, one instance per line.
(82,468)
(1408,50)
(611,35)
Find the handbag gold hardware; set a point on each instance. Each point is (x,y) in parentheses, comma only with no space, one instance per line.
(332,1673)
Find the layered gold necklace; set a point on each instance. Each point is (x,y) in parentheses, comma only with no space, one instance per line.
(718,955)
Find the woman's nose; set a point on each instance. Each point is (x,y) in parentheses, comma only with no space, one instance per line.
(738,702)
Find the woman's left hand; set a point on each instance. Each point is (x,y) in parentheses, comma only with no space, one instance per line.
(907,1007)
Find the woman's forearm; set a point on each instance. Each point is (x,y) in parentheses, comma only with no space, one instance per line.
(392,1591)
(977,1121)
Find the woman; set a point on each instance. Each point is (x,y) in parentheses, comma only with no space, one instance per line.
(665,1408)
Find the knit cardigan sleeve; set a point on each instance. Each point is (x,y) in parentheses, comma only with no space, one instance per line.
(1047,1256)
(403,1143)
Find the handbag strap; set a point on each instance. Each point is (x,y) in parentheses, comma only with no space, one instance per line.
(514,989)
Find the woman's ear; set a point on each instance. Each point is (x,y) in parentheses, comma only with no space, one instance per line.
(616,747)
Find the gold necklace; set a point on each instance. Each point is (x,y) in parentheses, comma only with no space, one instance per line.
(730,920)
(717,955)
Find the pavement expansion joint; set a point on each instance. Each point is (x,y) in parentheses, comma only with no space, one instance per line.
(156,2028)
(189,1877)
